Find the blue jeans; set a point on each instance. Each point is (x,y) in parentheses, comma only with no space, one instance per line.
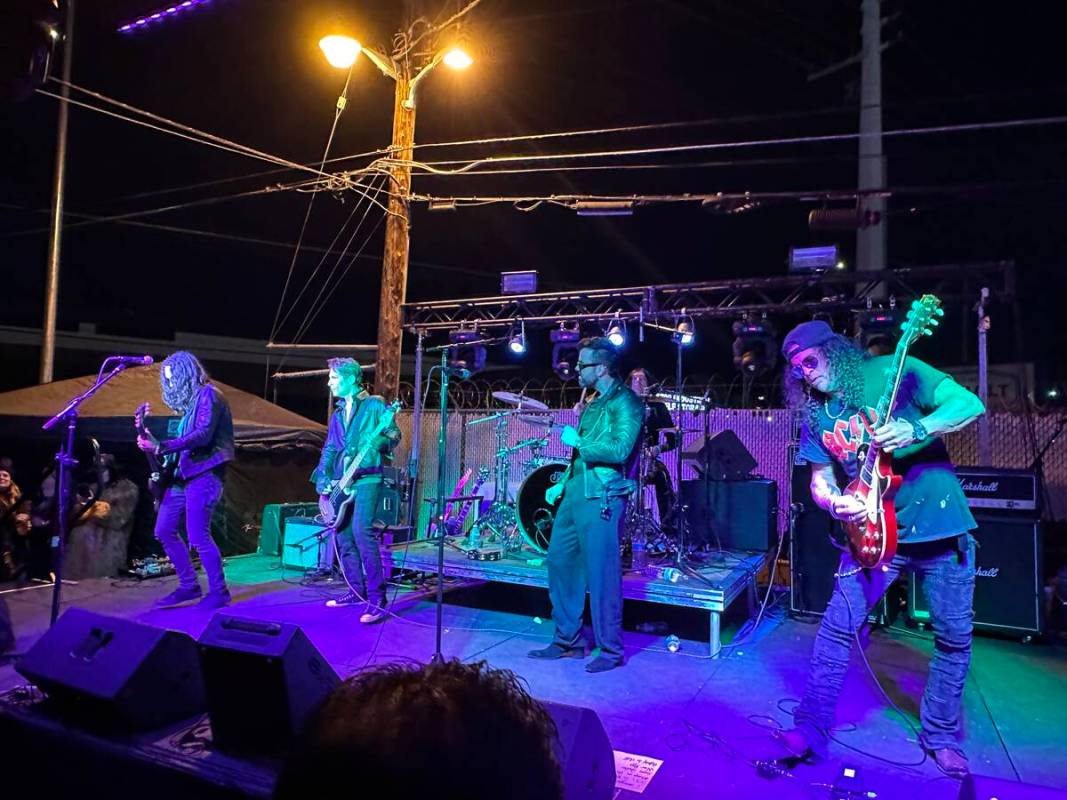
(948,583)
(361,558)
(194,499)
(584,553)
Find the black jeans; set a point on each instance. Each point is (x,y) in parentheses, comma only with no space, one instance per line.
(361,558)
(948,583)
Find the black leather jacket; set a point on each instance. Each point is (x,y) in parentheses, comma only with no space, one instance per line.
(344,442)
(207,435)
(609,428)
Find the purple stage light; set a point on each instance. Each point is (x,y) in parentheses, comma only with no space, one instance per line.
(159,15)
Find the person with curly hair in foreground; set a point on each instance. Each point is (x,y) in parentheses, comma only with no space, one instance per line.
(447,730)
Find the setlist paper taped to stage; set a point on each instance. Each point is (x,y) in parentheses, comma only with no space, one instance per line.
(634,772)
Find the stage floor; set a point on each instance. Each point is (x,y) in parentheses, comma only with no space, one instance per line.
(706,718)
(710,588)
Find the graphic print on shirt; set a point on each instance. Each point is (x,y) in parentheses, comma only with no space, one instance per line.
(849,435)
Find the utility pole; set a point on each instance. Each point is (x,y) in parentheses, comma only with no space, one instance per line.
(397,240)
(51,292)
(871,240)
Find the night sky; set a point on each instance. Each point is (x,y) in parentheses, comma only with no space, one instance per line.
(250,70)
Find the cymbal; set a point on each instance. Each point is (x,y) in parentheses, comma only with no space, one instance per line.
(543,420)
(520,401)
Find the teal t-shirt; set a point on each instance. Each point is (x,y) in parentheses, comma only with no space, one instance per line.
(930,504)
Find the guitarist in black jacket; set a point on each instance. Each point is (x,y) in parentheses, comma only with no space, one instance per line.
(351,425)
(202,449)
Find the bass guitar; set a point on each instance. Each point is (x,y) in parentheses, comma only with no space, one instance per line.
(161,470)
(335,502)
(873,540)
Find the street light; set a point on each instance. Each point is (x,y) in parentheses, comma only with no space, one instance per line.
(341,52)
(458,58)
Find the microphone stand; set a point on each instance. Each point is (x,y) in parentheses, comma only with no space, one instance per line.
(66,461)
(440,504)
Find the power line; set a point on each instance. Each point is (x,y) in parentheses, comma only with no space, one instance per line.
(217,141)
(232,237)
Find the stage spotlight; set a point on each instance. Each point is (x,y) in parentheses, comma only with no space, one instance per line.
(565,352)
(467,352)
(879,330)
(684,332)
(755,350)
(616,332)
(517,339)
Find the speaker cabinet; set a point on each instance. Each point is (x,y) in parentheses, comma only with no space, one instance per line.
(1007,588)
(721,457)
(116,673)
(739,515)
(262,680)
(307,544)
(272,524)
(584,752)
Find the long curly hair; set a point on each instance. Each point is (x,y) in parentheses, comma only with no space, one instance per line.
(187,378)
(846,361)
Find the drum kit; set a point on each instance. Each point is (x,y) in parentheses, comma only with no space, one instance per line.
(511,521)
(508,524)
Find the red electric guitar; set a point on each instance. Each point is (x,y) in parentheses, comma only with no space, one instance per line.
(873,541)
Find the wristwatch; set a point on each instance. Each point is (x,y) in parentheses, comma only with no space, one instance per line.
(918,431)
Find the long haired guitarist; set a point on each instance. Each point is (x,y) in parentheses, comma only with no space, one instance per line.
(203,446)
(850,404)
(356,431)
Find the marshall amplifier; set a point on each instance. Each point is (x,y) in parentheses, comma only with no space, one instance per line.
(1014,490)
(1007,588)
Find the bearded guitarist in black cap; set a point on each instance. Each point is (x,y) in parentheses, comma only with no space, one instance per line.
(835,388)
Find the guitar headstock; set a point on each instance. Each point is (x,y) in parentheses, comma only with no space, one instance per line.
(923,316)
(483,474)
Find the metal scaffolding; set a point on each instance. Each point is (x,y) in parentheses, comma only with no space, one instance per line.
(796,294)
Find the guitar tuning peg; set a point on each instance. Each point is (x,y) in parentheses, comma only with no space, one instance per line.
(928,332)
(940,311)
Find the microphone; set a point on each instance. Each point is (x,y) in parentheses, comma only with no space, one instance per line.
(457,372)
(134,361)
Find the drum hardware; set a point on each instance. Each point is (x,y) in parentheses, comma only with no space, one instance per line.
(486,554)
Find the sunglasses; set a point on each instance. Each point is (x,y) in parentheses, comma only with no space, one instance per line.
(581,366)
(806,364)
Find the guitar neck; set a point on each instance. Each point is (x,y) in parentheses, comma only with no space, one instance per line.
(884,409)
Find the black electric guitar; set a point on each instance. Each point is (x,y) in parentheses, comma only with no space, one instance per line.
(336,499)
(161,470)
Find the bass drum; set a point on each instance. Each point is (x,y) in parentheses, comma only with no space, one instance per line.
(534,515)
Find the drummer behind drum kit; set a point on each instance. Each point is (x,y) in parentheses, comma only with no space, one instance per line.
(505,525)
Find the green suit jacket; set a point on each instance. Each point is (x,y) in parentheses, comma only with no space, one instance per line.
(610,427)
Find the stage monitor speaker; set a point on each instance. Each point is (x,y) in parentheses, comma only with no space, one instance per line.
(116,673)
(273,523)
(738,515)
(307,544)
(1007,589)
(262,680)
(584,752)
(724,455)
(980,787)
